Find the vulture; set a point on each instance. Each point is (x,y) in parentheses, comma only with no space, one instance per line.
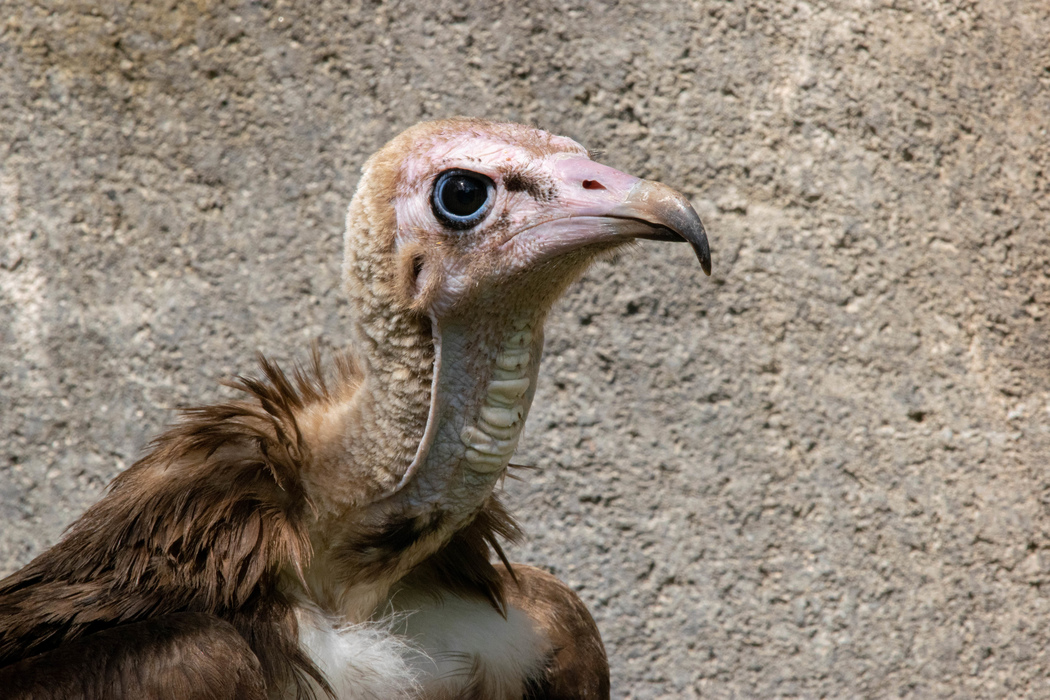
(335,530)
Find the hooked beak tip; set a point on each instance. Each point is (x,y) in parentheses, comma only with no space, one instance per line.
(703,251)
(667,209)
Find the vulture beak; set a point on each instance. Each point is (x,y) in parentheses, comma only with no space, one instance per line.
(599,204)
(672,216)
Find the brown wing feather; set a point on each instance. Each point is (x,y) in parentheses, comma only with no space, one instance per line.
(207,522)
(191,656)
(578,668)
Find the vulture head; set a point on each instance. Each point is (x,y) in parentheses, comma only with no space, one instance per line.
(463,214)
(461,236)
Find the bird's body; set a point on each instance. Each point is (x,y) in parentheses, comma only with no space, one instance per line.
(334,534)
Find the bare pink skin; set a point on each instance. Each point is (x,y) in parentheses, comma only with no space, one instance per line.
(571,203)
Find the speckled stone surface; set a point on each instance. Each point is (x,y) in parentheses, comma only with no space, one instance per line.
(822,472)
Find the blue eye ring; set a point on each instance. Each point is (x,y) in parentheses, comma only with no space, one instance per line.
(461,198)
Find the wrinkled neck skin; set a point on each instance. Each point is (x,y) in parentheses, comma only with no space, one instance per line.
(479,389)
(484,380)
(443,423)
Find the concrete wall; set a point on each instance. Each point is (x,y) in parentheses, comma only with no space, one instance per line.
(819,473)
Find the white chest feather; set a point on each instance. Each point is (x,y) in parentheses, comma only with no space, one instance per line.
(426,647)
(359,661)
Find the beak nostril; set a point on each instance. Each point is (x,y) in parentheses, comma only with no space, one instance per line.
(593,185)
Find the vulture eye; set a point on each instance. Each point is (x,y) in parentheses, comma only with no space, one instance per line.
(462,198)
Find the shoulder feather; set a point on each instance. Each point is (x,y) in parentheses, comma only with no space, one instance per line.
(208,521)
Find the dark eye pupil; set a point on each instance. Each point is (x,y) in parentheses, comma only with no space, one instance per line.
(462,196)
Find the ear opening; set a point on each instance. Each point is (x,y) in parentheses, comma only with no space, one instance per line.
(417,269)
(416,277)
(411,261)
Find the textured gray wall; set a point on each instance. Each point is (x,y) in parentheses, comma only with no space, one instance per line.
(821,472)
